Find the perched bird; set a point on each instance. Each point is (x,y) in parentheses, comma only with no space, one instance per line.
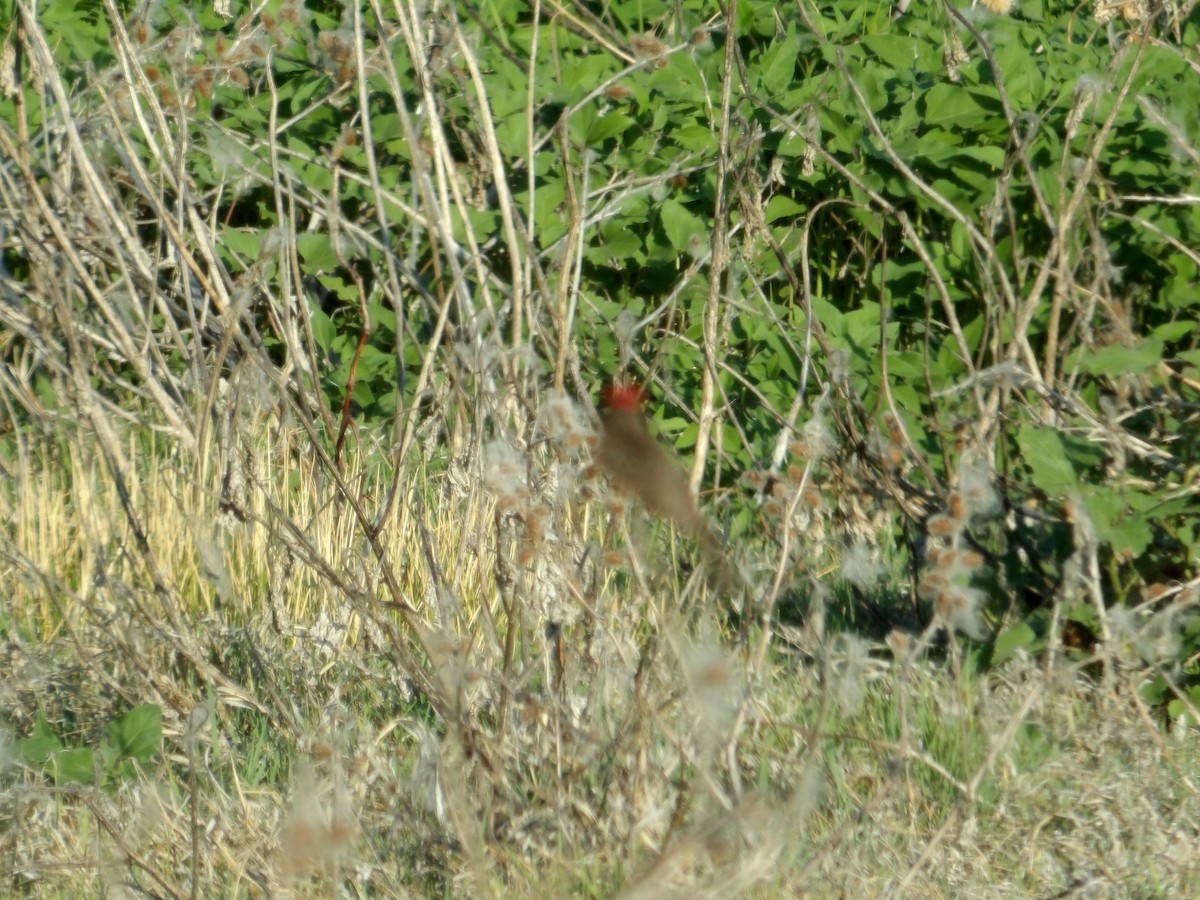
(638,465)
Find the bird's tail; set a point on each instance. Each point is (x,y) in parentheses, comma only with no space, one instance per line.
(721,574)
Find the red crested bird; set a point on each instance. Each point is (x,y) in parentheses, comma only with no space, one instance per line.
(637,464)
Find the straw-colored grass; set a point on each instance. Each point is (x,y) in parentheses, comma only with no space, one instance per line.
(660,761)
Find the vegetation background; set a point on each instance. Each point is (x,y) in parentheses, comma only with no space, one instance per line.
(311,589)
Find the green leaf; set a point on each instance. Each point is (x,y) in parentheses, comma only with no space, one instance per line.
(512,135)
(1154,691)
(324,331)
(1082,612)
(362,394)
(337,286)
(77,766)
(316,253)
(1127,534)
(1043,451)
(1177,707)
(694,137)
(679,80)
(243,241)
(373,361)
(679,224)
(777,66)
(138,733)
(1117,359)
(1022,75)
(1174,330)
(1019,637)
(41,745)
(609,125)
(898,51)
(77,28)
(584,73)
(779,207)
(954,106)
(908,365)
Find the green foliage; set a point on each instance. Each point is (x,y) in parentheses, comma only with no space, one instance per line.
(133,740)
(1020,636)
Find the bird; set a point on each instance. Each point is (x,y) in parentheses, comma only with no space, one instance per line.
(638,465)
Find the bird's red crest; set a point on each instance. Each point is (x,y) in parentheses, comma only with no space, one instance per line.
(624,395)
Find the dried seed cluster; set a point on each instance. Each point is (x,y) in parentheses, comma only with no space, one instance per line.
(951,562)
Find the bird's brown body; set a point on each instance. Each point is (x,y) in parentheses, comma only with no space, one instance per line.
(638,465)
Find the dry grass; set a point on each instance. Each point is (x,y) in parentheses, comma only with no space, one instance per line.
(644,753)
